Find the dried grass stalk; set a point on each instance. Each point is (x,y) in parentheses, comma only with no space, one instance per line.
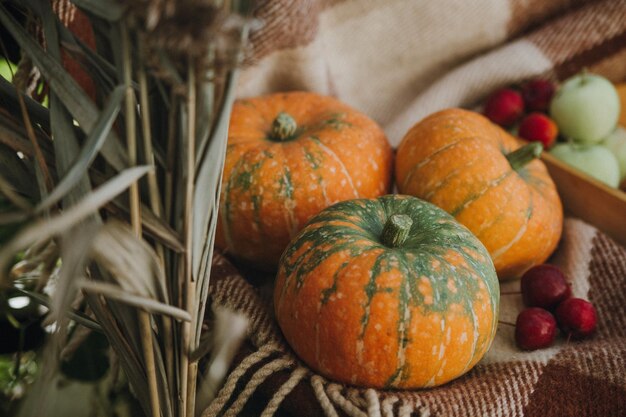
(138,176)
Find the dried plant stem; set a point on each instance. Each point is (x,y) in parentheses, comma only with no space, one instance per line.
(21,82)
(153,187)
(187,367)
(41,161)
(155,204)
(171,159)
(131,139)
(135,217)
(148,351)
(192,386)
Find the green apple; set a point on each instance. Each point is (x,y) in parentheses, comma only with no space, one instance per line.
(586,108)
(594,160)
(616,143)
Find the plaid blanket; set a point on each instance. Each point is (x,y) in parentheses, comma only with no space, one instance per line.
(398,61)
(584,378)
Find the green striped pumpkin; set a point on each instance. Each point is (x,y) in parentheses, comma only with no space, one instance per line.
(289,156)
(387,293)
(479,173)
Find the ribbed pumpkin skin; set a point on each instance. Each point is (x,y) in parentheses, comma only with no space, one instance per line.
(365,314)
(270,189)
(456,160)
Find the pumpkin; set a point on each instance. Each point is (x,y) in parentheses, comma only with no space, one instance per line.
(387,293)
(480,174)
(289,156)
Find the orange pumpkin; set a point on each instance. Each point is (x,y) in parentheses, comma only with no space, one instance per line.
(466,165)
(387,293)
(289,156)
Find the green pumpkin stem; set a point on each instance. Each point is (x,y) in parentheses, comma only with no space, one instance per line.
(284,127)
(520,157)
(396,230)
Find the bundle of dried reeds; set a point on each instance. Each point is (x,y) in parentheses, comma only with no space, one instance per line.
(109,196)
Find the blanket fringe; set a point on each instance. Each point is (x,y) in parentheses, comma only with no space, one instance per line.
(284,390)
(373,403)
(387,406)
(317,382)
(257,379)
(334,392)
(226,391)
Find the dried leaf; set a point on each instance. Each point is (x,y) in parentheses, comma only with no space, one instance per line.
(117,293)
(125,341)
(206,199)
(75,246)
(90,149)
(65,87)
(151,225)
(77,316)
(42,230)
(106,9)
(130,261)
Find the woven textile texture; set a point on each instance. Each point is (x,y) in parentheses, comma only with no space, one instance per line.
(398,61)
(583,378)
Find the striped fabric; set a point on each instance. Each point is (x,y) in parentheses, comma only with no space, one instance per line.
(398,61)
(583,378)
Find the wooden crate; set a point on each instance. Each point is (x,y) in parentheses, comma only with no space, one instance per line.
(589,199)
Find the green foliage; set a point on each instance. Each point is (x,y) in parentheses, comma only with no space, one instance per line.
(15,378)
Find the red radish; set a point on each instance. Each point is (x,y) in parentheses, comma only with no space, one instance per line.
(504,107)
(537,94)
(539,127)
(577,317)
(544,286)
(535,328)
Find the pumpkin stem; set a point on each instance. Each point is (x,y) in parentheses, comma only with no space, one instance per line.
(396,230)
(283,127)
(520,157)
